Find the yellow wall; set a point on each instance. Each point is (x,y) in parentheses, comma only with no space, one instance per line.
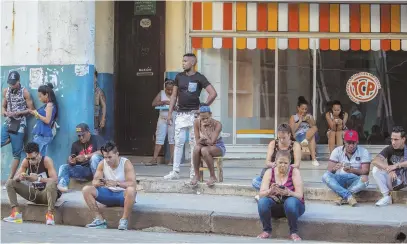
(104,36)
(175,21)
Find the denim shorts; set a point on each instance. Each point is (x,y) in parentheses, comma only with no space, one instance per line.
(110,198)
(17,140)
(163,129)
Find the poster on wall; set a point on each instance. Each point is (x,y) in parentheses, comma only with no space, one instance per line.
(362,87)
(144,8)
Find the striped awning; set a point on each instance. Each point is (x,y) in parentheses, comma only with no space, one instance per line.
(255,17)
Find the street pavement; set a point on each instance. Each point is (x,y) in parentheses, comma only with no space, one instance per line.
(40,233)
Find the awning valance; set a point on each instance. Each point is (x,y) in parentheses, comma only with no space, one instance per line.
(309,18)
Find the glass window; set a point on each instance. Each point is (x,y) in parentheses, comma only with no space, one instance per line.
(373,107)
(255,96)
(216,65)
(294,80)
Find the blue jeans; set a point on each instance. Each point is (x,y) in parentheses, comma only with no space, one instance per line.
(78,172)
(292,208)
(256,183)
(42,143)
(109,198)
(344,184)
(17,140)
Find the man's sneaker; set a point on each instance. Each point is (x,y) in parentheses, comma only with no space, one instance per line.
(352,201)
(49,219)
(384,201)
(340,201)
(257,198)
(62,188)
(4,187)
(15,217)
(123,224)
(172,176)
(315,162)
(97,224)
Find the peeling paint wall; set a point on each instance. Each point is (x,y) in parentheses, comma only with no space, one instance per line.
(51,41)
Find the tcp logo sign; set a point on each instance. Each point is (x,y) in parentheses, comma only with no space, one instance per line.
(362,87)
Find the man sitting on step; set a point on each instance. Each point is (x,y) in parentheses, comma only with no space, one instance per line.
(35,181)
(348,169)
(390,166)
(113,185)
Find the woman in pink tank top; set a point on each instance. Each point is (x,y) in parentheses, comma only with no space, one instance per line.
(281,195)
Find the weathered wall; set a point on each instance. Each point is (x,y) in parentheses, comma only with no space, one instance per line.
(104,62)
(51,42)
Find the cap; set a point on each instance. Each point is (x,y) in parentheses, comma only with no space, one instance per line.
(13,77)
(204,109)
(82,128)
(351,135)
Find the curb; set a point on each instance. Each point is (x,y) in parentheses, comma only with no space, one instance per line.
(197,221)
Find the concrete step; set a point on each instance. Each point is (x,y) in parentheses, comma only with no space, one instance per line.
(232,215)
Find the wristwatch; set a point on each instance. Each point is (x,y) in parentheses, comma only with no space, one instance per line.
(118,184)
(398,166)
(86,157)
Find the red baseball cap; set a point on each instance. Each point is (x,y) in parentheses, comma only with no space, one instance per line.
(351,135)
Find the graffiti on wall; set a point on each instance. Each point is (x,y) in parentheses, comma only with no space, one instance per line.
(40,76)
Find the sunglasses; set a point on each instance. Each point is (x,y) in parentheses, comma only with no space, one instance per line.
(79,136)
(33,158)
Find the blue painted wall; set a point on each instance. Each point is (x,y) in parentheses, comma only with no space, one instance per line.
(105,81)
(75,96)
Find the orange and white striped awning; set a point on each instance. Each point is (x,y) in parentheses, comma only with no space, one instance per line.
(300,17)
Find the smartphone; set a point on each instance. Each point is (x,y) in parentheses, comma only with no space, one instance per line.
(73,155)
(281,187)
(102,181)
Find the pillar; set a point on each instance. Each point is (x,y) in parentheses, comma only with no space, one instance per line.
(51,41)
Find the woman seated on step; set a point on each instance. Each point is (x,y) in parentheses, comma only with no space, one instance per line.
(209,143)
(336,119)
(284,141)
(304,128)
(281,195)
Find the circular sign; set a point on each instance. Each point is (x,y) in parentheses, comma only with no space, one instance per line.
(362,87)
(145,23)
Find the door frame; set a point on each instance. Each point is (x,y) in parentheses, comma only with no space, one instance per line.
(116,75)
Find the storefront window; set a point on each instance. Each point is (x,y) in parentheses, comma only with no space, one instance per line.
(255,96)
(216,65)
(373,108)
(295,79)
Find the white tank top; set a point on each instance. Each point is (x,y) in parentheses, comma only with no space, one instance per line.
(164,113)
(117,174)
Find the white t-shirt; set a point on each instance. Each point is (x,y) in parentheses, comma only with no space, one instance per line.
(359,157)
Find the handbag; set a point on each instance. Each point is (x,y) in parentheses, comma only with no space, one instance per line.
(13,125)
(401,173)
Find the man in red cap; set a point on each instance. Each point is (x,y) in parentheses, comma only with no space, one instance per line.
(348,169)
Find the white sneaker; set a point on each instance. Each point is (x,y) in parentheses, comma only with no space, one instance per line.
(386,200)
(172,176)
(315,162)
(4,187)
(304,143)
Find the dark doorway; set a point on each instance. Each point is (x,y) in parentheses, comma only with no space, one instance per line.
(139,73)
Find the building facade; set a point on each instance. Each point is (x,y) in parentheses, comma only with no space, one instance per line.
(260,56)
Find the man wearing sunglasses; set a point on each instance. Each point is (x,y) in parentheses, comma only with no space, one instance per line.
(348,169)
(84,159)
(39,172)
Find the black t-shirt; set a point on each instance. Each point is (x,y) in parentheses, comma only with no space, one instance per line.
(392,155)
(189,90)
(95,143)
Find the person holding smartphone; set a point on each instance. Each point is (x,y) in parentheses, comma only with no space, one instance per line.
(281,195)
(348,169)
(84,159)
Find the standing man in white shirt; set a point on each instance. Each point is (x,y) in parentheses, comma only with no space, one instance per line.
(348,169)
(187,89)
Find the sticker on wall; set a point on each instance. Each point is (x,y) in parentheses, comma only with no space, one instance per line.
(81,69)
(362,87)
(145,23)
(36,78)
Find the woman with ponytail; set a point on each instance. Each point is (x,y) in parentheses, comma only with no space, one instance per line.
(46,116)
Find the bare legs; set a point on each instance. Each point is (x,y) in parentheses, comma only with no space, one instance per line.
(157,150)
(129,198)
(310,135)
(207,152)
(335,138)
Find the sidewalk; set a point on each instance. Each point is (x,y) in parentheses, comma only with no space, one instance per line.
(234,215)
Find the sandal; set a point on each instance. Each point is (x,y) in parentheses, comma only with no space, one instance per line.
(295,237)
(151,163)
(211,182)
(264,235)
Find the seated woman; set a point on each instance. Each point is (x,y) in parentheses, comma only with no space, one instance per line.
(304,128)
(209,143)
(281,195)
(284,141)
(336,119)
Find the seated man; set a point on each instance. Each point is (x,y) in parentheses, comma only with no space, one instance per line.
(84,159)
(41,176)
(348,169)
(390,166)
(114,184)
